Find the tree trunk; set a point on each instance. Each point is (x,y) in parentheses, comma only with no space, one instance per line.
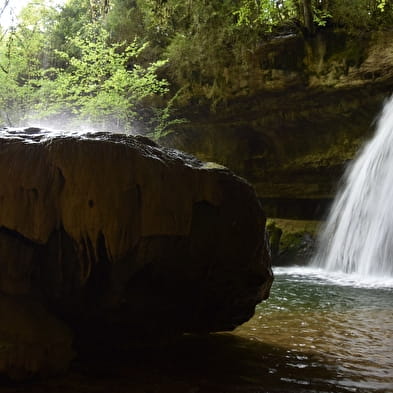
(308,16)
(99,9)
(4,6)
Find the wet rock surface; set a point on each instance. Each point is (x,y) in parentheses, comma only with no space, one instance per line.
(117,241)
(292,242)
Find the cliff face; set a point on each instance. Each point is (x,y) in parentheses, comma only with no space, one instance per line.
(121,241)
(295,115)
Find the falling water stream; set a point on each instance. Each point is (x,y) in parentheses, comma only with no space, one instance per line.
(358,236)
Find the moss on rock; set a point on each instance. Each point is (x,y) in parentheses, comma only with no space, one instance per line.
(290,124)
(296,244)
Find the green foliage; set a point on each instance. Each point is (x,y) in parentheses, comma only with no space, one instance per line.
(321,17)
(85,78)
(204,39)
(361,14)
(265,14)
(381,5)
(103,84)
(350,13)
(200,39)
(73,16)
(91,59)
(125,22)
(23,52)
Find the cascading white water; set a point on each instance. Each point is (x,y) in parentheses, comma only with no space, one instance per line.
(358,235)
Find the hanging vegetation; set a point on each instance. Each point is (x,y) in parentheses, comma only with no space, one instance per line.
(110,61)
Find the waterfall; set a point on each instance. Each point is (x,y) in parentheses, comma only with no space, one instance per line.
(358,235)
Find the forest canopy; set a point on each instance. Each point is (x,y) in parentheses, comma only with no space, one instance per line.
(123,63)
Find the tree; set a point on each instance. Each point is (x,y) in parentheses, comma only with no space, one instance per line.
(87,77)
(308,16)
(24,52)
(104,84)
(4,6)
(91,58)
(99,9)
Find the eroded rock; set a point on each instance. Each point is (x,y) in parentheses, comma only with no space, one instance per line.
(293,115)
(123,241)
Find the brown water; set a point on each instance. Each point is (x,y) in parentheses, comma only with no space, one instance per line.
(327,322)
(315,334)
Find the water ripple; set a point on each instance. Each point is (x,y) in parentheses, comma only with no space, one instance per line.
(348,329)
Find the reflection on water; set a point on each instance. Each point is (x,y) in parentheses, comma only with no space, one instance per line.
(312,335)
(347,329)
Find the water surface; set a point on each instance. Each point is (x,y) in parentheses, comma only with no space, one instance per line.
(320,333)
(337,330)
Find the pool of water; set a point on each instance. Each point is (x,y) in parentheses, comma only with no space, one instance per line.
(336,330)
(320,333)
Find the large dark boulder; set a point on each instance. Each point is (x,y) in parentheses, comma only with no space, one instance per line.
(110,240)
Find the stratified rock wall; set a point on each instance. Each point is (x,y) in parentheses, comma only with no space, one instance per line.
(123,241)
(295,113)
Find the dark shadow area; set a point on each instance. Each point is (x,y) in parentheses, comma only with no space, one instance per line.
(218,363)
(296,208)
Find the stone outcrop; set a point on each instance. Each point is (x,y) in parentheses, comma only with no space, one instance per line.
(294,115)
(110,240)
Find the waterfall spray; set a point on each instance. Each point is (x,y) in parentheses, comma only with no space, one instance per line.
(358,235)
